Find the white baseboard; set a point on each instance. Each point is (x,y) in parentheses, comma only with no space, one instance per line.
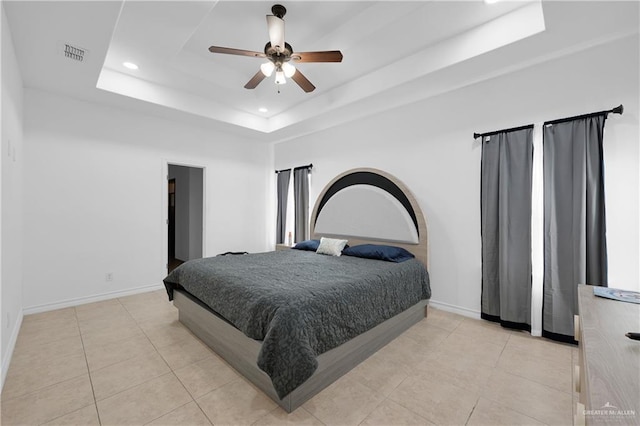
(455,309)
(90,299)
(6,359)
(469,313)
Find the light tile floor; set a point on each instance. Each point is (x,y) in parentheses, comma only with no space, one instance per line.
(129,361)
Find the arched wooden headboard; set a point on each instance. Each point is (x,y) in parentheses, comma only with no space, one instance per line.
(367,205)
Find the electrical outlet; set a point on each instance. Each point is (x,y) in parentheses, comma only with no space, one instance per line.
(108,276)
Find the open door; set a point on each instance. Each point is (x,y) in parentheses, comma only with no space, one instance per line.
(185,226)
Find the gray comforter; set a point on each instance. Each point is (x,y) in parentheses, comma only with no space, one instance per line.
(299,303)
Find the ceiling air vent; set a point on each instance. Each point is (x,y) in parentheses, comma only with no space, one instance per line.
(73,52)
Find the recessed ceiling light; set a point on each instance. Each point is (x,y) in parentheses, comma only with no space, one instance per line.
(130,65)
(263,109)
(491,1)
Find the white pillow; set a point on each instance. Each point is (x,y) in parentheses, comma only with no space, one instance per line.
(331,246)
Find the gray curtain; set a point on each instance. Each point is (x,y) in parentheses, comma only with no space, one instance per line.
(575,247)
(283,192)
(301,200)
(506,179)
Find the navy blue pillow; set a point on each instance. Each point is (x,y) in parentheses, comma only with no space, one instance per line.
(311,245)
(380,252)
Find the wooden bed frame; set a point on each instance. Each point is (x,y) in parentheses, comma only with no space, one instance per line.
(241,352)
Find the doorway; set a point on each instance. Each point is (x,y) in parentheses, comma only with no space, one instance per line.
(185,214)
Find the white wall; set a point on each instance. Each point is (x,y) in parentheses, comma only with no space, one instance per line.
(11,163)
(430,147)
(95,197)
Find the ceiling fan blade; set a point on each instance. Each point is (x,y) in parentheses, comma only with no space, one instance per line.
(240,52)
(255,80)
(302,81)
(276,32)
(325,56)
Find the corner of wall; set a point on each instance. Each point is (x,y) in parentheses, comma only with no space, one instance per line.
(6,359)
(470,313)
(11,190)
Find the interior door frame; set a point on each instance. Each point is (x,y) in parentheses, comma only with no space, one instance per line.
(165,203)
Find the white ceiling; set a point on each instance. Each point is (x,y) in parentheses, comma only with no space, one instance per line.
(395,52)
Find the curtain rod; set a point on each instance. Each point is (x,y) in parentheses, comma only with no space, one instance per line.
(617,110)
(495,132)
(308,166)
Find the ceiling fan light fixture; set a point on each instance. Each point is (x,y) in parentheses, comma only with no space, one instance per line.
(278,52)
(288,69)
(280,78)
(267,68)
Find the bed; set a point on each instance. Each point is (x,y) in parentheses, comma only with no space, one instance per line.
(293,321)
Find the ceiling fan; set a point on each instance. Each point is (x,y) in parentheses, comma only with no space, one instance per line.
(279,54)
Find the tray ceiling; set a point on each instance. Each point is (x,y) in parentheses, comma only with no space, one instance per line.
(394,52)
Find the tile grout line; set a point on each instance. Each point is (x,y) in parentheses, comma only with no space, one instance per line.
(84,351)
(193,399)
(535,381)
(527,378)
(142,329)
(472,410)
(213,390)
(140,384)
(196,401)
(137,323)
(131,387)
(145,333)
(374,408)
(156,348)
(501,352)
(312,415)
(274,409)
(111,364)
(388,397)
(137,384)
(4,399)
(515,409)
(177,408)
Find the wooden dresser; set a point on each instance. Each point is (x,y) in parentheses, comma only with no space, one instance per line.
(607,376)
